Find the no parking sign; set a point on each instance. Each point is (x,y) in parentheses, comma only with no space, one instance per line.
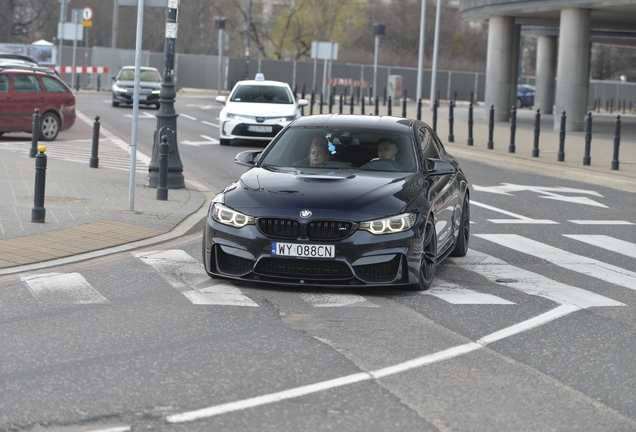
(87,16)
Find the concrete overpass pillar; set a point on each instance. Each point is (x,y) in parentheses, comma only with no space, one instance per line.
(499,79)
(573,68)
(514,66)
(546,73)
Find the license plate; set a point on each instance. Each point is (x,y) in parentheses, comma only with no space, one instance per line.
(260,129)
(143,97)
(303,250)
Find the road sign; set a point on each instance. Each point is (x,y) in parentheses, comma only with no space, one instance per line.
(87,14)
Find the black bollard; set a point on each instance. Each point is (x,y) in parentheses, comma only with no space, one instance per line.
(561,153)
(404,105)
(358,95)
(340,104)
(295,90)
(98,83)
(588,139)
(384,98)
(362,106)
(624,104)
(612,106)
(377,105)
(537,130)
(389,106)
(35,133)
(419,109)
(330,102)
(435,106)
(351,104)
(513,129)
(470,123)
(598,107)
(38,212)
(302,94)
(451,122)
(321,102)
(311,102)
(94,161)
(491,127)
(164,150)
(617,142)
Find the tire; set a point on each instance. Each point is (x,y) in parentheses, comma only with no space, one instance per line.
(224,142)
(49,127)
(115,104)
(461,247)
(429,257)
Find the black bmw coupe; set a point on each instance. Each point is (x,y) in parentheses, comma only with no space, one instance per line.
(341,201)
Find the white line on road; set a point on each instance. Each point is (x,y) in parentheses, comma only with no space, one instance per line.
(187,116)
(518,218)
(608,243)
(455,294)
(210,124)
(322,300)
(600,222)
(63,288)
(439,356)
(578,263)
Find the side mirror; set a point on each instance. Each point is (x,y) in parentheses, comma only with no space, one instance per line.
(437,167)
(303,102)
(113,78)
(247,158)
(221,99)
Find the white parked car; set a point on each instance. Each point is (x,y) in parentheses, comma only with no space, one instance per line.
(256,110)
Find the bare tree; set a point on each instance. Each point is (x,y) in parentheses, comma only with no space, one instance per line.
(19,17)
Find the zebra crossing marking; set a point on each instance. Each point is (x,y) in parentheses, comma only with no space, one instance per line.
(63,288)
(608,243)
(600,222)
(577,263)
(518,219)
(502,273)
(323,300)
(454,294)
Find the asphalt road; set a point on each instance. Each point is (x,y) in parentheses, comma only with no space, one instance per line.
(534,330)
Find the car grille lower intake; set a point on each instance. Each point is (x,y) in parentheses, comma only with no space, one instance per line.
(286,228)
(232,265)
(381,272)
(328,230)
(301,268)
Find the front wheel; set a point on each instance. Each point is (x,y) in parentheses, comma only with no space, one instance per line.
(224,142)
(429,257)
(115,104)
(461,247)
(49,127)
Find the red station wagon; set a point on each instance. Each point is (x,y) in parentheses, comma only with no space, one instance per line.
(23,89)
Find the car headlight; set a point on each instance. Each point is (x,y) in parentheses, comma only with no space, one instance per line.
(390,225)
(227,216)
(156,91)
(289,118)
(118,89)
(232,116)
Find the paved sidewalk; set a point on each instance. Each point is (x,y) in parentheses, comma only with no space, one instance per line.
(87,209)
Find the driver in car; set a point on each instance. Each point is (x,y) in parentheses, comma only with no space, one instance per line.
(387,149)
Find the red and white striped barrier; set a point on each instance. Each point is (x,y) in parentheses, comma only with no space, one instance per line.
(81,69)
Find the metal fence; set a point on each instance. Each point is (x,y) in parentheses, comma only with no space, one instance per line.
(201,72)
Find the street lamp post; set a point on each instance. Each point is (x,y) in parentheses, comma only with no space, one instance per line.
(247,42)
(378,30)
(219,23)
(167,117)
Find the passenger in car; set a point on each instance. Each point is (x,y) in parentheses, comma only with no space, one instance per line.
(387,149)
(318,151)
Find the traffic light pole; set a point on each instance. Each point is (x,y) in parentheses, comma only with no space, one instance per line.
(167,117)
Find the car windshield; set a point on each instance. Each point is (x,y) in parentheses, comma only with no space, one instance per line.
(145,75)
(261,94)
(304,148)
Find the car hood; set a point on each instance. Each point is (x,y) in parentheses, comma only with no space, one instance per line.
(353,195)
(142,84)
(260,109)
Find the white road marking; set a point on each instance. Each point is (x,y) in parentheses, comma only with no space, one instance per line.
(578,263)
(187,116)
(547,192)
(455,294)
(501,272)
(608,243)
(63,288)
(439,356)
(142,115)
(518,218)
(210,124)
(185,273)
(600,222)
(320,300)
(208,141)
(113,429)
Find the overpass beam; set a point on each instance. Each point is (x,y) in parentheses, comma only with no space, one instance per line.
(573,68)
(546,73)
(499,66)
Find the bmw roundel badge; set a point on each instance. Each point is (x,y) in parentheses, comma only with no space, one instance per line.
(305,214)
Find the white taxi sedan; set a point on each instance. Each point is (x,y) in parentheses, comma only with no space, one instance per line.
(256,110)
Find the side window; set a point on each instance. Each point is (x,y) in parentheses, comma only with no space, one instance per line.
(429,148)
(53,86)
(25,83)
(438,145)
(4,83)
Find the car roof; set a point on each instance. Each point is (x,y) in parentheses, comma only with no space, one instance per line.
(141,68)
(388,123)
(25,68)
(264,82)
(17,57)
